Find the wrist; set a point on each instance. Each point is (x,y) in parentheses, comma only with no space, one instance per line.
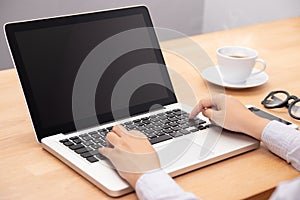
(132,179)
(253,125)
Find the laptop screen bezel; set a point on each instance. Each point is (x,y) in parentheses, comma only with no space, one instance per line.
(12,28)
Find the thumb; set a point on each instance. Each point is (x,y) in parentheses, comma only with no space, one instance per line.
(208,113)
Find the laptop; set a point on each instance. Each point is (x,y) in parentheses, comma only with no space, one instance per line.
(82,74)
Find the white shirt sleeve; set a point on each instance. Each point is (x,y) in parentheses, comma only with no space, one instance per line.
(285,142)
(158,185)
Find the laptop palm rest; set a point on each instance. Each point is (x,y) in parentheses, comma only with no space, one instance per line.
(201,149)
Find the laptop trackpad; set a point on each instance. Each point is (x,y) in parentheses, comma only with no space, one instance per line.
(181,153)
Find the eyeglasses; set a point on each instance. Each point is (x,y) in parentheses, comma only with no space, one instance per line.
(279,99)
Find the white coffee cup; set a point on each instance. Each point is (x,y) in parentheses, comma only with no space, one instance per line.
(236,63)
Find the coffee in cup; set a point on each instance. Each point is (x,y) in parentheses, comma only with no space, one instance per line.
(236,63)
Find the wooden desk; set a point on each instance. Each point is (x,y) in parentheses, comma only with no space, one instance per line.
(29,172)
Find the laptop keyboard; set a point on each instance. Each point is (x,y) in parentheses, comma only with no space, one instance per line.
(159,127)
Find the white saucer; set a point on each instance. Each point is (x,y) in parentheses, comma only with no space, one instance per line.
(212,75)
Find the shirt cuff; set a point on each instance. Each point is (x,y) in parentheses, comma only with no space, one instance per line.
(280,139)
(159,185)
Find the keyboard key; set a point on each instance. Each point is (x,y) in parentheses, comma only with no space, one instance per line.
(157,128)
(68,143)
(103,134)
(77,141)
(158,123)
(176,128)
(183,131)
(93,132)
(103,143)
(64,140)
(128,123)
(162,117)
(167,131)
(201,121)
(176,134)
(139,124)
(130,126)
(211,125)
(170,115)
(109,128)
(92,159)
(88,143)
(173,119)
(103,130)
(86,154)
(94,152)
(148,132)
(95,135)
(151,136)
(164,121)
(160,139)
(196,122)
(97,140)
(100,157)
(82,150)
(183,121)
(173,124)
(83,135)
(96,146)
(194,130)
(185,115)
(178,113)
(184,126)
(154,119)
(141,128)
(87,138)
(74,138)
(166,127)
(150,126)
(201,127)
(159,133)
(183,112)
(180,118)
(76,146)
(146,122)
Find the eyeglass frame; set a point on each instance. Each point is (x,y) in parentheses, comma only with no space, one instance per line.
(284,103)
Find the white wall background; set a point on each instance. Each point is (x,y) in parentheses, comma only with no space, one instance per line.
(225,14)
(189,16)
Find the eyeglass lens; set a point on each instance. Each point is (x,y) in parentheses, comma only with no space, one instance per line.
(276,99)
(295,109)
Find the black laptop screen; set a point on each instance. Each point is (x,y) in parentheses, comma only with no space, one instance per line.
(49,53)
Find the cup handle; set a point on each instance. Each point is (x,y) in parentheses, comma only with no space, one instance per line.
(263,64)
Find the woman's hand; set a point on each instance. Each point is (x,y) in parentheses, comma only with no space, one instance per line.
(131,153)
(231,114)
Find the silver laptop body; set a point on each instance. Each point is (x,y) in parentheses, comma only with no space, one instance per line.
(45,53)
